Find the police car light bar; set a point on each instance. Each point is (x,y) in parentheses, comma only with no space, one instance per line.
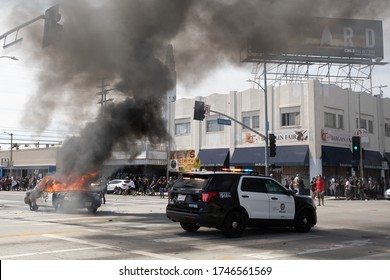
(237,170)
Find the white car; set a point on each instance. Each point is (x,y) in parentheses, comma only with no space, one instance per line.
(117,186)
(387,194)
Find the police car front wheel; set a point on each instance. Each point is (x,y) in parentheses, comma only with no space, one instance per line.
(304,221)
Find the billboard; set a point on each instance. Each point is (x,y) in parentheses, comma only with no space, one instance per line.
(347,38)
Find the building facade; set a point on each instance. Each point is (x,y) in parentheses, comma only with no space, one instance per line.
(28,162)
(313,124)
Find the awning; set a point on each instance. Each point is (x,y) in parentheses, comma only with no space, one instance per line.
(285,156)
(336,156)
(291,156)
(253,156)
(372,159)
(214,157)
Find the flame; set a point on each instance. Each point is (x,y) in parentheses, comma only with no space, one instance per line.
(53,183)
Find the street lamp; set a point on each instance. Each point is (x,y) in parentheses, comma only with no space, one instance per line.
(10,57)
(264,88)
(12,138)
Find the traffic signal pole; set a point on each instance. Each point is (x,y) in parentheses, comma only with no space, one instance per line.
(16,29)
(361,160)
(51,28)
(266,132)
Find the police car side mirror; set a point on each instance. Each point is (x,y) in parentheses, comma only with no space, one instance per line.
(290,192)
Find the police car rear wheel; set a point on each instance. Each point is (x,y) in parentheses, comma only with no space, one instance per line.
(189,227)
(234,224)
(304,221)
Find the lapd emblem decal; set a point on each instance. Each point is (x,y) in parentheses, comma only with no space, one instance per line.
(282,207)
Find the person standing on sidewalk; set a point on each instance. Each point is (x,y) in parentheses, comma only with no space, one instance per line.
(320,190)
(313,187)
(161,184)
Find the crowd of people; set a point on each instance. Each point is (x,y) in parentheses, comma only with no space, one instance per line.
(348,188)
(143,184)
(18,183)
(354,187)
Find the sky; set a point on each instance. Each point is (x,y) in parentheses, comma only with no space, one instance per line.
(18,80)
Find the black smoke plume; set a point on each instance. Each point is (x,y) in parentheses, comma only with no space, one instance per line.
(122,41)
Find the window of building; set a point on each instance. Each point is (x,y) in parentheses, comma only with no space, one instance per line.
(340,123)
(182,128)
(290,116)
(368,125)
(246,121)
(363,124)
(332,120)
(387,129)
(256,121)
(212,126)
(251,119)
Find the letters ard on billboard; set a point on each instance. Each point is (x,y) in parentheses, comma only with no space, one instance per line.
(325,37)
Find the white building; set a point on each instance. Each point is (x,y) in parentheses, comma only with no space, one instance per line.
(313,123)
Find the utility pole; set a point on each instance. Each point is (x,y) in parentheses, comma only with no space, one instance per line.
(103,99)
(266,125)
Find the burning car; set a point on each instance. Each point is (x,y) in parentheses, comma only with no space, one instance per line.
(52,193)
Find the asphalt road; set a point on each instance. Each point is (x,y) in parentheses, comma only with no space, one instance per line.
(136,228)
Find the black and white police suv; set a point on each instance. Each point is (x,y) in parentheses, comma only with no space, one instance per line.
(232,201)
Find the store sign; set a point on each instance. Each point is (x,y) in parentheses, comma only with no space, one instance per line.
(337,137)
(185,159)
(290,136)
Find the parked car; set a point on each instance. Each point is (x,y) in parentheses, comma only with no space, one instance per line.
(117,186)
(231,201)
(387,194)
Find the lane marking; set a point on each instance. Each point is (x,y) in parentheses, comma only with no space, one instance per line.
(47,252)
(39,233)
(266,255)
(79,241)
(181,239)
(154,255)
(342,245)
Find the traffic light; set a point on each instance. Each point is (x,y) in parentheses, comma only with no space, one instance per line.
(199,111)
(272,145)
(52,29)
(356,147)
